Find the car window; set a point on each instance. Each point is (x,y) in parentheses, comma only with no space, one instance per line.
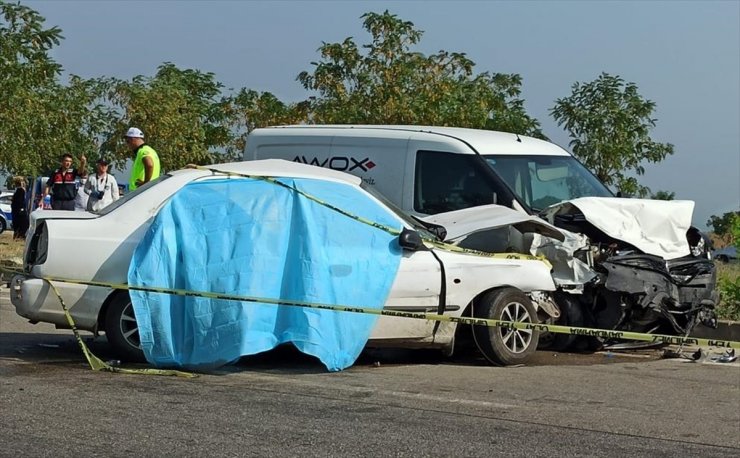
(130,195)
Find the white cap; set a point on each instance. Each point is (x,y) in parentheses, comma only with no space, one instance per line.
(135,133)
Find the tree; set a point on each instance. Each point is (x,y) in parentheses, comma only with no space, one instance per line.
(390,84)
(40,119)
(663,195)
(609,124)
(722,225)
(182,112)
(261,109)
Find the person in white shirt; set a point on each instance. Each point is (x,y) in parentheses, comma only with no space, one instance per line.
(101,186)
(81,197)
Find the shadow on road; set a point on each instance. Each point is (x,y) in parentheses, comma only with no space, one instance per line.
(62,349)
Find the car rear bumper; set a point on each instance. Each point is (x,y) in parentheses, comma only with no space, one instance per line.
(35,300)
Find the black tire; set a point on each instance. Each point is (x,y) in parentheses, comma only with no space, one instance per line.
(3,225)
(503,346)
(721,258)
(122,330)
(571,314)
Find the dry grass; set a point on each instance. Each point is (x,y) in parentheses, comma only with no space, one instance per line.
(11,251)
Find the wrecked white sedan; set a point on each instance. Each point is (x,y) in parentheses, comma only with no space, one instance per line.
(278,230)
(625,264)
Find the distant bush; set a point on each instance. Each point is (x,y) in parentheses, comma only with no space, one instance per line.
(728,281)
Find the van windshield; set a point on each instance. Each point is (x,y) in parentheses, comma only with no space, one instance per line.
(541,181)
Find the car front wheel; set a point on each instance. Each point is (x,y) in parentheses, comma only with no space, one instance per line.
(500,345)
(122,330)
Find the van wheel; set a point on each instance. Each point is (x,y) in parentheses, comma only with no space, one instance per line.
(122,330)
(504,346)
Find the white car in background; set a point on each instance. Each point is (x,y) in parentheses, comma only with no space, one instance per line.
(99,247)
(6,217)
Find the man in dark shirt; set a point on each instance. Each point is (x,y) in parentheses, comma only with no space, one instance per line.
(62,183)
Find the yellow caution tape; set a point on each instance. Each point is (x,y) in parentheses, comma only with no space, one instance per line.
(98,364)
(555,329)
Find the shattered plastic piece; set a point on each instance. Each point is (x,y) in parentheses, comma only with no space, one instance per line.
(671,354)
(728,357)
(697,356)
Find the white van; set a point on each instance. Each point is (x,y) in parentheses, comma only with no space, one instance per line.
(630,264)
(429,170)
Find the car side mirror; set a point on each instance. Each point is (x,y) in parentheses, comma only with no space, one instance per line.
(411,240)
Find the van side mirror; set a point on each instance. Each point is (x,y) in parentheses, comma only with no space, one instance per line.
(411,240)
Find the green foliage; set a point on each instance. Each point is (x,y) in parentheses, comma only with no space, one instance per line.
(40,119)
(663,195)
(182,113)
(254,109)
(722,225)
(728,283)
(609,124)
(728,276)
(388,83)
(188,118)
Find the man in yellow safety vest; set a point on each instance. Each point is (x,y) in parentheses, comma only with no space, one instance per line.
(146,162)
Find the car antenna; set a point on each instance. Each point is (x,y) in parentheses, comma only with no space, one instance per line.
(517,138)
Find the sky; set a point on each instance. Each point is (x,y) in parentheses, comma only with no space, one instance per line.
(682,55)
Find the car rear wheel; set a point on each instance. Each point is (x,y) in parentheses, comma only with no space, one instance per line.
(500,345)
(3,225)
(122,330)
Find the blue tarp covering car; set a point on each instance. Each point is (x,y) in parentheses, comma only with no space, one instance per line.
(254,238)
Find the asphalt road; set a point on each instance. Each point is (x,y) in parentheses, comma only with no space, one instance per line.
(388,404)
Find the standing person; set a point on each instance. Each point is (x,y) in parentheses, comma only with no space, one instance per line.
(62,183)
(81,197)
(146,162)
(101,186)
(18,209)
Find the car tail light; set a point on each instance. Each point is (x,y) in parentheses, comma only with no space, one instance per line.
(37,247)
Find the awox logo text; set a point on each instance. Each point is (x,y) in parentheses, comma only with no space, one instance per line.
(341,163)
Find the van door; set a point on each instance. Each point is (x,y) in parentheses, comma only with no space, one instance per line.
(380,162)
(312,150)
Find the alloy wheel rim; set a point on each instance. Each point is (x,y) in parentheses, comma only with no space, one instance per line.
(129,327)
(515,340)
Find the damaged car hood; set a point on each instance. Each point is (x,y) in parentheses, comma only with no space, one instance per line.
(462,223)
(656,227)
